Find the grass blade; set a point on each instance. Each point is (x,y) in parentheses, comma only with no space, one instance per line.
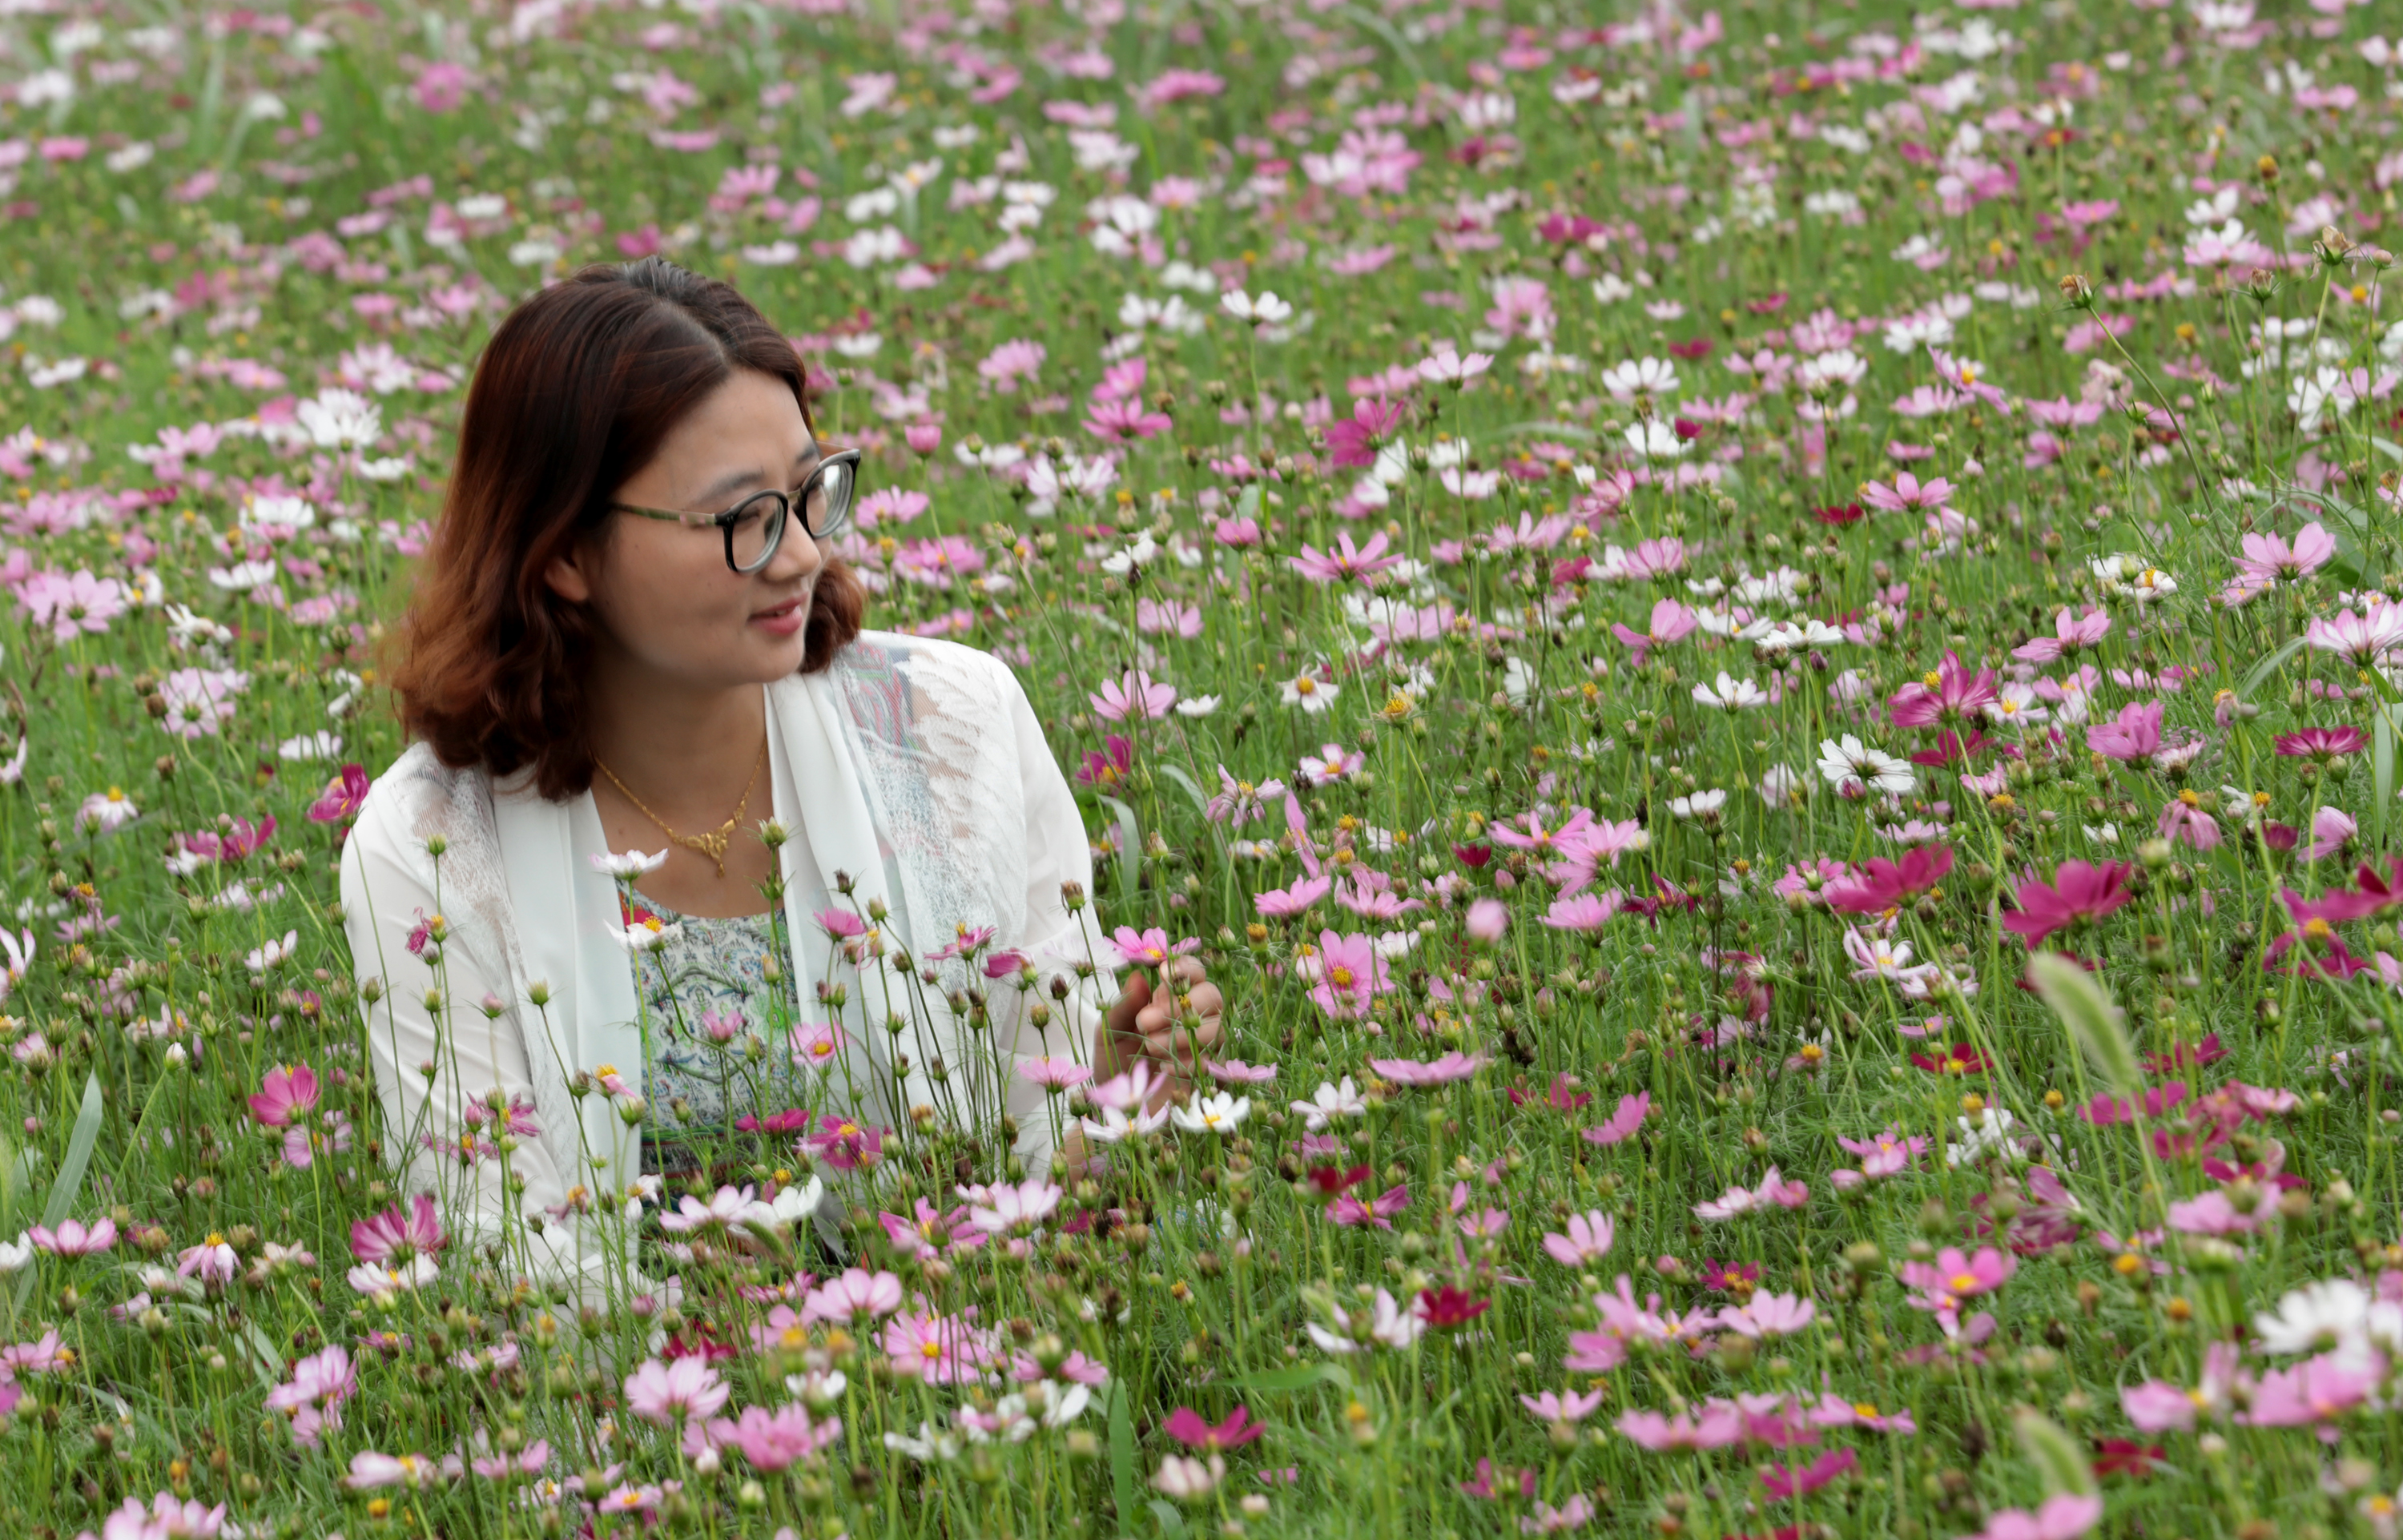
(2093,1021)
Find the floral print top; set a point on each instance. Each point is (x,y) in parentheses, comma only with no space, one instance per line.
(703,992)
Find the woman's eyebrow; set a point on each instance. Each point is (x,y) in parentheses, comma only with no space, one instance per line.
(735,481)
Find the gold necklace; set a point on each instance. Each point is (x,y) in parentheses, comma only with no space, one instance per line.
(712,844)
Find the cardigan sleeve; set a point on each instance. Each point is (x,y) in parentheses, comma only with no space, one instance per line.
(1065,945)
(441,1058)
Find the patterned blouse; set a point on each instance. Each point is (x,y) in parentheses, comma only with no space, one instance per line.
(704,993)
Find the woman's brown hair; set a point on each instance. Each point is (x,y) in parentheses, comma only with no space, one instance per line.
(574,392)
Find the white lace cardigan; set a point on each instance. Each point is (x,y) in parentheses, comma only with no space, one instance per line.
(914,766)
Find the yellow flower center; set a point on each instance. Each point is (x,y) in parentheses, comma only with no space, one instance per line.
(1341,976)
(1305,687)
(1931,679)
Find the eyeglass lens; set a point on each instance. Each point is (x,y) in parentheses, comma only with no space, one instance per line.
(825,508)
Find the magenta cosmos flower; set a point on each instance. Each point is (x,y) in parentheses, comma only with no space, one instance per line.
(2081,891)
(1882,884)
(2320,743)
(1350,973)
(1946,697)
(1954,1277)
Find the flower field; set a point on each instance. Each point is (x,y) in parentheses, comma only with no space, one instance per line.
(1755,643)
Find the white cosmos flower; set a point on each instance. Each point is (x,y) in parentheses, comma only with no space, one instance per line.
(1266,310)
(630,864)
(1654,439)
(1330,1102)
(1730,694)
(1850,759)
(1701,804)
(1221,1114)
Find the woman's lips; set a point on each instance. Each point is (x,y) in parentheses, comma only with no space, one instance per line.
(785,618)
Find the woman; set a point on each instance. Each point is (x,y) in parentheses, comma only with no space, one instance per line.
(866,897)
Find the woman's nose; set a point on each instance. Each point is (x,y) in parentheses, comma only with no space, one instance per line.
(797,554)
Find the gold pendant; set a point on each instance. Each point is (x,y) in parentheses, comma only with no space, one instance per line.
(711,845)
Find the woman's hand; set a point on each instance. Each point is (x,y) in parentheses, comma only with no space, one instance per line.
(1172,1031)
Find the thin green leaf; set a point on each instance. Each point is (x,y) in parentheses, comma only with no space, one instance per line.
(70,1178)
(2093,1021)
(1300,1377)
(2267,666)
(1130,847)
(2055,1455)
(2387,447)
(2381,770)
(1170,1521)
(1122,1456)
(1385,29)
(1188,785)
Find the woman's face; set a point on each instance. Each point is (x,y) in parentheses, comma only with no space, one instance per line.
(663,591)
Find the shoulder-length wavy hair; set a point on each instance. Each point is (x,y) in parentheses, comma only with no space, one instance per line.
(574,392)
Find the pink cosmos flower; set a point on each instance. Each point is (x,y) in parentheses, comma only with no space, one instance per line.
(1234,1072)
(1719,1425)
(394,1236)
(927,1231)
(2136,733)
(771,1440)
(1487,919)
(2069,635)
(1623,1122)
(2332,830)
(1953,1277)
(71,603)
(166,1519)
(1588,1240)
(1783,1481)
(2158,1407)
(1773,1189)
(1378,1210)
(312,1399)
(1285,903)
(1351,972)
(1054,1073)
(72,1239)
(2318,1390)
(1834,1411)
(1133,694)
(1585,913)
(846,1143)
(2081,891)
(1345,562)
(1671,622)
(1454,1065)
(1770,1315)
(2268,557)
(1907,492)
(855,1294)
(817,1044)
(288,1095)
(1187,1428)
(370,1469)
(936,1349)
(2062,1518)
(679,1391)
(2184,822)
(1553,1406)
(2365,638)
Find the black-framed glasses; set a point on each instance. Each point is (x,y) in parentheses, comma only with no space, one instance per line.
(755,527)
